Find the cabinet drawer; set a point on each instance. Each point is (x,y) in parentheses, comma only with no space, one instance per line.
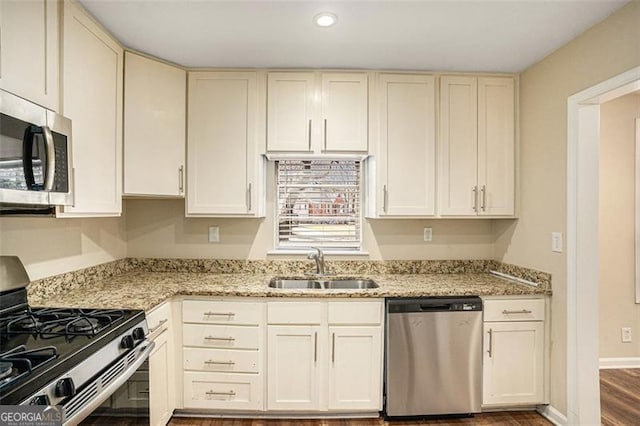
(355,312)
(294,312)
(221,360)
(221,312)
(159,316)
(221,336)
(226,391)
(514,310)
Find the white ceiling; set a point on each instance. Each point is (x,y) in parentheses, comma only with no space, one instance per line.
(472,35)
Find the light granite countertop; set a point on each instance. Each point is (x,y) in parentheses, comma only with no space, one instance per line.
(138,289)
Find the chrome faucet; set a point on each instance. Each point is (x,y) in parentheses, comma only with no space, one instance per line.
(318,256)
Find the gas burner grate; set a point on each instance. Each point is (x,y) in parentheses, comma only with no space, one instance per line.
(53,322)
(19,361)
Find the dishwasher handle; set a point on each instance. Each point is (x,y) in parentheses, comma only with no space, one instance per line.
(435,308)
(433,304)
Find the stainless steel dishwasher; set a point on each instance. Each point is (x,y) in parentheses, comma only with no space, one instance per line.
(433,356)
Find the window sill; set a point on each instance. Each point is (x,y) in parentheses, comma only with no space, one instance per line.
(304,252)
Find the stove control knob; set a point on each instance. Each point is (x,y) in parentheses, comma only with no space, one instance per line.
(127,342)
(65,387)
(138,333)
(40,400)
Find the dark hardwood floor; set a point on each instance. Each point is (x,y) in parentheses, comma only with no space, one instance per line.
(620,396)
(510,418)
(619,392)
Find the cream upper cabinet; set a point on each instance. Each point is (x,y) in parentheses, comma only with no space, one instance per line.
(154,127)
(406,158)
(344,112)
(92,99)
(476,146)
(29,47)
(317,112)
(224,175)
(290,111)
(496,146)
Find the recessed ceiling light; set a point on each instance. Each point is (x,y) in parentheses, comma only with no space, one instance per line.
(325,19)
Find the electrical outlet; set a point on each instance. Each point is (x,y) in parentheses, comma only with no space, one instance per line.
(214,234)
(428,234)
(556,242)
(626,334)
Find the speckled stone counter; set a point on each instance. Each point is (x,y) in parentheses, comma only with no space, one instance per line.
(143,289)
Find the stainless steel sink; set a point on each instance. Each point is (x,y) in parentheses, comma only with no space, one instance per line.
(319,284)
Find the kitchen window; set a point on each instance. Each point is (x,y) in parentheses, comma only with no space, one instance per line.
(319,204)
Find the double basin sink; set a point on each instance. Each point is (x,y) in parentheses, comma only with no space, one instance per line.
(323,284)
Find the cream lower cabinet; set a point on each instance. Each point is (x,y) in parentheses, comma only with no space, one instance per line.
(513,345)
(222,355)
(324,356)
(354,368)
(29,50)
(294,370)
(161,366)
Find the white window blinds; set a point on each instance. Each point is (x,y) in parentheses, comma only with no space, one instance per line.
(319,203)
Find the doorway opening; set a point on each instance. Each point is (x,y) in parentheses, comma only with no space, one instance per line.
(583,135)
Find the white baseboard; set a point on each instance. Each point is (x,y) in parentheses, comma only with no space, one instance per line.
(553,415)
(631,362)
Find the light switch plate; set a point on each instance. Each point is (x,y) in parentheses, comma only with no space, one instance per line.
(214,234)
(556,242)
(428,234)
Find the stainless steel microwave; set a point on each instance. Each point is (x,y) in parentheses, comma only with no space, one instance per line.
(35,156)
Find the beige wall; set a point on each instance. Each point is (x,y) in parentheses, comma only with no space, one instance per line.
(605,50)
(49,246)
(158,228)
(617,227)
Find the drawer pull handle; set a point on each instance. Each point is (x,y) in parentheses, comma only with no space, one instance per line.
(228,339)
(523,311)
(220,362)
(144,391)
(222,314)
(230,393)
(160,324)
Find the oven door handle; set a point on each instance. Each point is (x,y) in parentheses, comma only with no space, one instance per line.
(145,348)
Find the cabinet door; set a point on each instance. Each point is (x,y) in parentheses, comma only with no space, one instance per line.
(344,112)
(355,369)
(407,144)
(160,405)
(294,367)
(154,127)
(496,146)
(513,363)
(221,143)
(92,99)
(458,147)
(290,111)
(29,44)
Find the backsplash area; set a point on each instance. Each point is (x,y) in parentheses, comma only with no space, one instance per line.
(87,276)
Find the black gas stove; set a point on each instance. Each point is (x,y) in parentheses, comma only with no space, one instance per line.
(74,358)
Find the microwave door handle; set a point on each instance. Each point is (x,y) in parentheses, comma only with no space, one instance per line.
(27,155)
(51,159)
